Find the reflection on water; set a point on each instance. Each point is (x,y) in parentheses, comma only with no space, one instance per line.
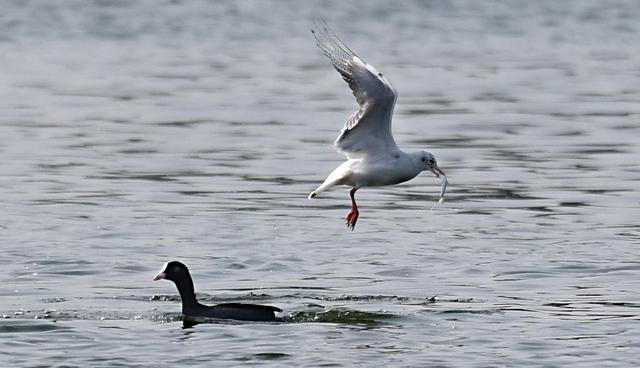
(132,133)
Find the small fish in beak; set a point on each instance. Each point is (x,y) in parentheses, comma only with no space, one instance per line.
(443,182)
(443,187)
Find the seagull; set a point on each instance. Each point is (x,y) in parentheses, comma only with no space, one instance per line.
(373,158)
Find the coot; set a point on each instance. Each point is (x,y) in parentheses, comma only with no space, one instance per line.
(179,274)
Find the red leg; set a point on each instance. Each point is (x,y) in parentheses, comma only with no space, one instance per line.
(352,217)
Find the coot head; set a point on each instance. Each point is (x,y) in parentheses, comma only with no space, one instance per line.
(173,271)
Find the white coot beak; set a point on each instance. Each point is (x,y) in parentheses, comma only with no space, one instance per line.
(161,275)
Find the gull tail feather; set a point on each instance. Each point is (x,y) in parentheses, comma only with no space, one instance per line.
(338,176)
(318,190)
(324,186)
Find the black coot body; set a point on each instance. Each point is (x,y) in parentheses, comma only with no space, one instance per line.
(179,274)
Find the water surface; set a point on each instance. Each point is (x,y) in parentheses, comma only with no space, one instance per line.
(133,133)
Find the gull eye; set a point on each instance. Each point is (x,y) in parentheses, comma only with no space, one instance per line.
(431,161)
(380,75)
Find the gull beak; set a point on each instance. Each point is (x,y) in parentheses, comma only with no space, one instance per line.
(438,172)
(159,276)
(443,182)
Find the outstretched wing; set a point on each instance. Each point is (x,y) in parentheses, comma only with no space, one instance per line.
(368,130)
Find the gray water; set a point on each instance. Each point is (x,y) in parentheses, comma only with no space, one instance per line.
(134,133)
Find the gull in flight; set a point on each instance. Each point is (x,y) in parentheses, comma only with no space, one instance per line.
(373,158)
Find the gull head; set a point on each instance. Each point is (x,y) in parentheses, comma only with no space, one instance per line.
(428,162)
